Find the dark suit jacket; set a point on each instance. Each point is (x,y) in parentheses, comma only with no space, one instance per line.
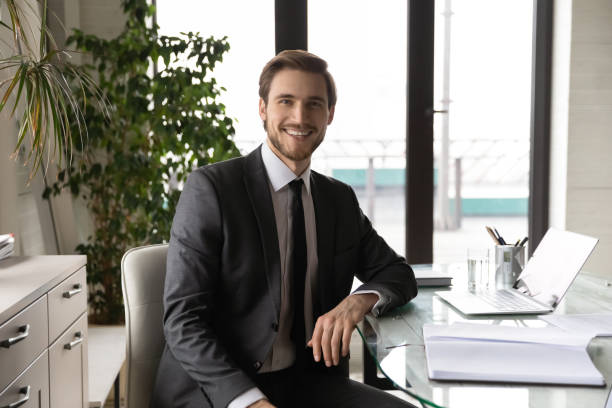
(222,291)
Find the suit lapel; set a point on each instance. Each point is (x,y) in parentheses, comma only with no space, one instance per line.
(325,222)
(256,184)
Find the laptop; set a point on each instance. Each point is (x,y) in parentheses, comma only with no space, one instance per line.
(541,285)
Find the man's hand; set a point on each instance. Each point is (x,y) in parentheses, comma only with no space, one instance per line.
(334,328)
(262,403)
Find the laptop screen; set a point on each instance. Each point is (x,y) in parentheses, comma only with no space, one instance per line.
(555,264)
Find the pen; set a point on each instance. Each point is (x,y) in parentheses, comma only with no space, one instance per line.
(492,234)
(499,237)
(517,242)
(523,241)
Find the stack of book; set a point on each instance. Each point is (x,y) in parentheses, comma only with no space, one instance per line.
(7,245)
(428,275)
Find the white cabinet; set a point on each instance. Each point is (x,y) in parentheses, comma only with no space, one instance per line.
(31,388)
(43,332)
(23,338)
(67,368)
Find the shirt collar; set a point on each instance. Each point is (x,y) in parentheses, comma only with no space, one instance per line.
(278,173)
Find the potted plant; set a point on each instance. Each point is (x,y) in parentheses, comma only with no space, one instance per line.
(165,120)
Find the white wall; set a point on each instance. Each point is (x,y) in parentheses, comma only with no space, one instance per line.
(8,177)
(8,168)
(102,18)
(581,190)
(22,210)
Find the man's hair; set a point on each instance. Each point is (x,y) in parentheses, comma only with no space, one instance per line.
(302,61)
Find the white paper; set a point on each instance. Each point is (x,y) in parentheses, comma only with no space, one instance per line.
(7,246)
(509,362)
(5,237)
(477,352)
(487,332)
(595,325)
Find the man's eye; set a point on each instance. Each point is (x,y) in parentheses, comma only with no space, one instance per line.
(315,104)
(284,101)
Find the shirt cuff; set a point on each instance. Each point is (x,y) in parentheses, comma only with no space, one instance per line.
(247,398)
(382,301)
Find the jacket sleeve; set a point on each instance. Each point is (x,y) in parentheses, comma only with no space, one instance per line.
(193,267)
(380,268)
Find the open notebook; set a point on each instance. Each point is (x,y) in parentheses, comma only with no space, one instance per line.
(479,352)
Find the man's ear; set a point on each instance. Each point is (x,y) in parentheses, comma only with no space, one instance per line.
(332,110)
(262,109)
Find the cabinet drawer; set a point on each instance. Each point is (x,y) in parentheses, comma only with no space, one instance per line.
(22,339)
(33,384)
(68,367)
(66,302)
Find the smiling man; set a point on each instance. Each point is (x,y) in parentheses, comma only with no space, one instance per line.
(295,110)
(262,257)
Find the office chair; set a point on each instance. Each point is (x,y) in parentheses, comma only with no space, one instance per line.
(143,271)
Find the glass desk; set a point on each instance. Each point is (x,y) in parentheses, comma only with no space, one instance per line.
(396,343)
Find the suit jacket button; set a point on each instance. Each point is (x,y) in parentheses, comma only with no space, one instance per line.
(275,326)
(257,365)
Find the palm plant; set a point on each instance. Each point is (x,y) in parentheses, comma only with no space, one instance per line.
(45,85)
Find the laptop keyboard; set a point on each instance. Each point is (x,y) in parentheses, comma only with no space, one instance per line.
(505,300)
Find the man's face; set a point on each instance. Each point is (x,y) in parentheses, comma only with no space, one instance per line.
(296,115)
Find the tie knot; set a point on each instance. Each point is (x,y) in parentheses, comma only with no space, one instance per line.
(296,186)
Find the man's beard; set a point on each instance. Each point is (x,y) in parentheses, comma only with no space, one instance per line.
(275,139)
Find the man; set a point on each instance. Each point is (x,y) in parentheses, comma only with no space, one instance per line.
(261,260)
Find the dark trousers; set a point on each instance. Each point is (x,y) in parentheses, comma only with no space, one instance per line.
(313,386)
(293,388)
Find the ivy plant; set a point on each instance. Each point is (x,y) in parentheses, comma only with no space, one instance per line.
(164,122)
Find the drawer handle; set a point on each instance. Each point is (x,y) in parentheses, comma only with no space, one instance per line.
(73,344)
(26,397)
(77,289)
(24,330)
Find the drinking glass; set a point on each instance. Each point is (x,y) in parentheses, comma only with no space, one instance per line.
(478,268)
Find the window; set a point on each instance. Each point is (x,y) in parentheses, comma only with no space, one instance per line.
(365,45)
(482,131)
(249,26)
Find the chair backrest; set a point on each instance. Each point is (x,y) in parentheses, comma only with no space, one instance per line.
(143,271)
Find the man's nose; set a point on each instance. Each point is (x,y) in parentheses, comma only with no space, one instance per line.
(300,114)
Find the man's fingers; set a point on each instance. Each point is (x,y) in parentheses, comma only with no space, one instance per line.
(326,345)
(336,341)
(315,341)
(346,340)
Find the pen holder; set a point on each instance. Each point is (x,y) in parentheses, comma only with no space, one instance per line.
(509,263)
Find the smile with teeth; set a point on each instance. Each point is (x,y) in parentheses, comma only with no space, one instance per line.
(297,133)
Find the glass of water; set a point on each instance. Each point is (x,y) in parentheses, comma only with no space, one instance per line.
(478,268)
